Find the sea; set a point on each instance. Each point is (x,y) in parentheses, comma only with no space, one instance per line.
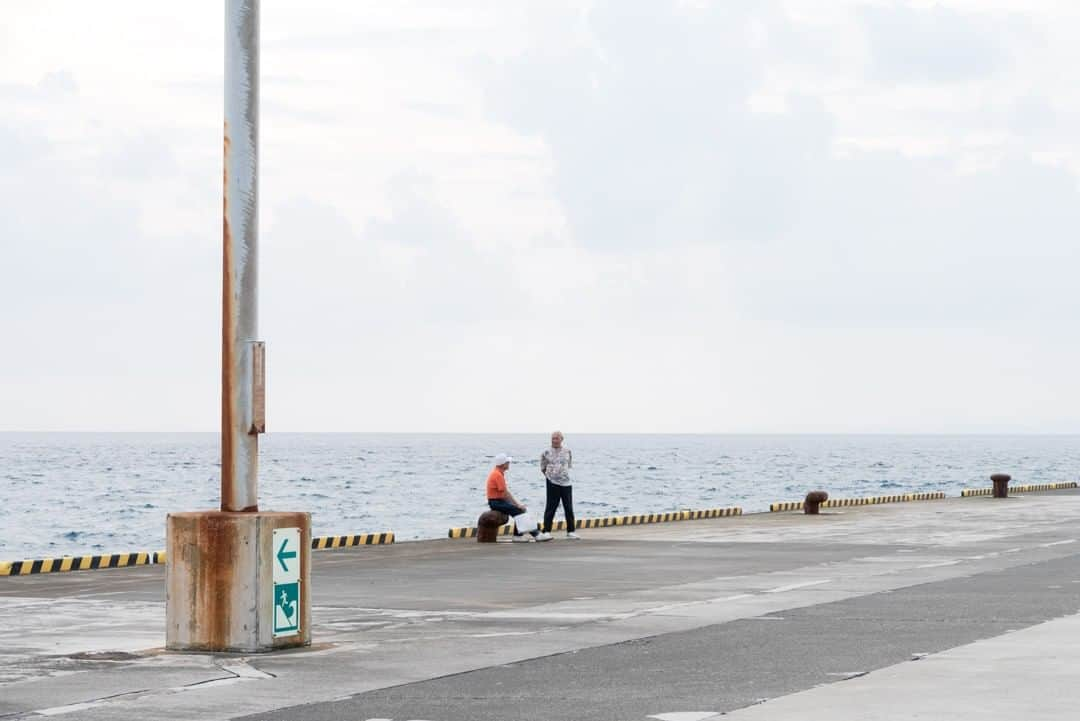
(92,493)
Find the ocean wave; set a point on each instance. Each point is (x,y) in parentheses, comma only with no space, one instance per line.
(420,485)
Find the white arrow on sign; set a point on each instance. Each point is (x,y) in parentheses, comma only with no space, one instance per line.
(286,549)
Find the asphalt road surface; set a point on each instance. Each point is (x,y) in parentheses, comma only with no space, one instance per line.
(728,666)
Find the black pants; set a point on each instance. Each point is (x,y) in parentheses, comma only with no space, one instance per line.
(556,493)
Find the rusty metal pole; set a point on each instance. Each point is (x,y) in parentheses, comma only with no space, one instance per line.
(239,579)
(242,356)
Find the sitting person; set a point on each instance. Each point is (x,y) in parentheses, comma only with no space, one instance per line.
(500,499)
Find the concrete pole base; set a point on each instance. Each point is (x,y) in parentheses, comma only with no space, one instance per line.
(221,593)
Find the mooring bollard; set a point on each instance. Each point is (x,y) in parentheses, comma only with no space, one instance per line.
(487,526)
(813,501)
(1001,484)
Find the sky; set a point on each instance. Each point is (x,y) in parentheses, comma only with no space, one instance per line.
(751,216)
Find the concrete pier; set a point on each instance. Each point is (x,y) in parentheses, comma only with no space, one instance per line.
(950,609)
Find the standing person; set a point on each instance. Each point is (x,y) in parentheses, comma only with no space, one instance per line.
(555,464)
(500,499)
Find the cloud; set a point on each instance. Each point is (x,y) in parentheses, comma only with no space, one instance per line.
(20,146)
(632,116)
(606,216)
(105,314)
(935,44)
(61,82)
(656,145)
(886,240)
(415,219)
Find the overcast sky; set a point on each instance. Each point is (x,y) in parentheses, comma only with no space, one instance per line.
(663,216)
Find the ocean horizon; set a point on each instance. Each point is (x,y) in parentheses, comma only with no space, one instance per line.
(80,492)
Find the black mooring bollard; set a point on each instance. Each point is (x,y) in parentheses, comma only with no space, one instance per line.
(487,526)
(1001,484)
(813,501)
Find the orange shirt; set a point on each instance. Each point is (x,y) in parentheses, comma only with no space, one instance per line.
(496,484)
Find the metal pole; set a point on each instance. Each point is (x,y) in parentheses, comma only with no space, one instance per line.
(242,370)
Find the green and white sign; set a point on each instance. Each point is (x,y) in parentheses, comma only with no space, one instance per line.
(286,581)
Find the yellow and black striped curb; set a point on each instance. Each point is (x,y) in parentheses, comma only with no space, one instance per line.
(608,521)
(927,496)
(147,558)
(864,501)
(363,539)
(969,492)
(80,563)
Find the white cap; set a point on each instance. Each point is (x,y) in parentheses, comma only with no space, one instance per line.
(502,458)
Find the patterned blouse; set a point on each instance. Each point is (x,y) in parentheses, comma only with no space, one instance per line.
(555,464)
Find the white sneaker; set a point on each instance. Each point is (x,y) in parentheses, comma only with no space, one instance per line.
(525,538)
(571,536)
(544,536)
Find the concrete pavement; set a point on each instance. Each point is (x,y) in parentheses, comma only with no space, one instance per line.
(697,617)
(732,665)
(1028,674)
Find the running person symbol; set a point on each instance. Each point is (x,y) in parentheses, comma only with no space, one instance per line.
(287,607)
